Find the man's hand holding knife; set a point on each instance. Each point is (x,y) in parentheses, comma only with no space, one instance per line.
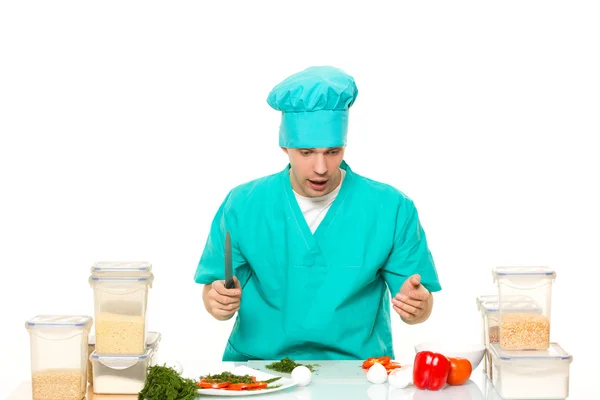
(222,298)
(220,302)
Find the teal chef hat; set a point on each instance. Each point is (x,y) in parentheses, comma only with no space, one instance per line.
(314,105)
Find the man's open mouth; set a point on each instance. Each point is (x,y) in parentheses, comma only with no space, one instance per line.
(317,184)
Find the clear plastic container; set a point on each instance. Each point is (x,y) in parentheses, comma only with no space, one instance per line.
(122,269)
(120,305)
(152,342)
(488,306)
(58,345)
(519,329)
(91,347)
(120,374)
(539,375)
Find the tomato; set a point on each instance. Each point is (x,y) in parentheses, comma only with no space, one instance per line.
(212,385)
(247,386)
(392,366)
(258,385)
(368,363)
(460,371)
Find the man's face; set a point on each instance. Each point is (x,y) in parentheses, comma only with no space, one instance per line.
(315,172)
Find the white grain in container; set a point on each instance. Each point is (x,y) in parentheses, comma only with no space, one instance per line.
(120,374)
(531,374)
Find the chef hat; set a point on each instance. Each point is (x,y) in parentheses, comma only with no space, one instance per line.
(314,105)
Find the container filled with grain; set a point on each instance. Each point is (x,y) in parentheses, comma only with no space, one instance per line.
(525,374)
(489,307)
(115,374)
(518,329)
(152,342)
(58,351)
(120,305)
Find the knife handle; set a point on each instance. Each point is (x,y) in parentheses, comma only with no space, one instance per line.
(229,284)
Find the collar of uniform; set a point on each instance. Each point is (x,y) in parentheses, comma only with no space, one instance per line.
(309,237)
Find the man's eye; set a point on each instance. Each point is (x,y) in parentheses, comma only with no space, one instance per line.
(334,152)
(304,153)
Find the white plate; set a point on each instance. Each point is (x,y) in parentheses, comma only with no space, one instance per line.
(284,383)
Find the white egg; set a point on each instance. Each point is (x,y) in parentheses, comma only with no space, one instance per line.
(377,374)
(400,377)
(301,375)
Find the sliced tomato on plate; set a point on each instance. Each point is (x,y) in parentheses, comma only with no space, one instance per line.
(212,385)
(369,362)
(247,386)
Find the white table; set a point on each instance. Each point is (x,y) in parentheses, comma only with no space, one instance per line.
(477,388)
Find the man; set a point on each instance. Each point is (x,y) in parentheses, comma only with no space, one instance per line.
(316,247)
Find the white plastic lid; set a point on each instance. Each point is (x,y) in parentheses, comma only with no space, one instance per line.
(121,266)
(120,361)
(523,271)
(152,340)
(481,300)
(60,321)
(553,353)
(122,280)
(512,302)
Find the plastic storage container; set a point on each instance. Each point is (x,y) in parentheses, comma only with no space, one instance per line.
(539,375)
(91,347)
(120,305)
(58,345)
(519,329)
(120,374)
(152,342)
(489,308)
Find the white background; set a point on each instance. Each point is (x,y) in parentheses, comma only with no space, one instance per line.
(124,124)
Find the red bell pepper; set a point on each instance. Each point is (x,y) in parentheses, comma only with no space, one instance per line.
(430,370)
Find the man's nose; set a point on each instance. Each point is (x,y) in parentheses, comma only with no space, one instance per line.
(320,165)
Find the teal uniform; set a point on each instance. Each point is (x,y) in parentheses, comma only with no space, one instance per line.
(324,295)
(316,296)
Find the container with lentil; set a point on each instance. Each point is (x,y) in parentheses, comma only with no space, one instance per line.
(524,330)
(58,349)
(488,306)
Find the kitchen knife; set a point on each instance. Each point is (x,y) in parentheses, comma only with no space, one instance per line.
(228,263)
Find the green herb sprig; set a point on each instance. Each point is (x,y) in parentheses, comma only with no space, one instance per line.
(287,365)
(164,383)
(227,377)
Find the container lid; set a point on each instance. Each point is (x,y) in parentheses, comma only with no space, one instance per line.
(553,353)
(122,267)
(120,361)
(512,302)
(122,280)
(483,299)
(152,340)
(60,321)
(523,271)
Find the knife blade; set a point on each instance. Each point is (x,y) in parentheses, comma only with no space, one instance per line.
(229,284)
